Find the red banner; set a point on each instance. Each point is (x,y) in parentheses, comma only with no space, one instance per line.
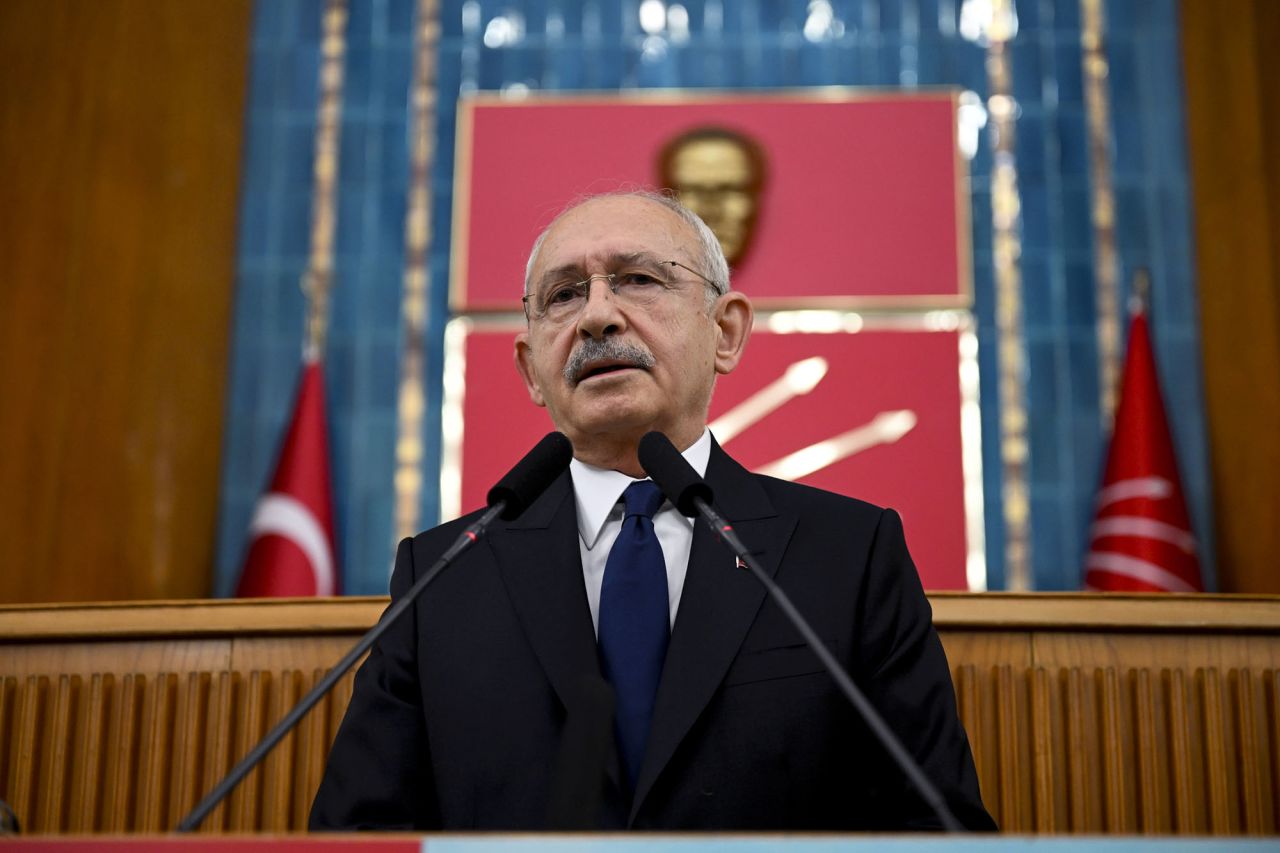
(862,199)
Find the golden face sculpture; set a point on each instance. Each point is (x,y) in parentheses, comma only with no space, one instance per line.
(718,174)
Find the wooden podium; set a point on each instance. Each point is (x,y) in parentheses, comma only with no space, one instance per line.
(1087,714)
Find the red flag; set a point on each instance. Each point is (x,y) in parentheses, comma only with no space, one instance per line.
(1141,538)
(291,536)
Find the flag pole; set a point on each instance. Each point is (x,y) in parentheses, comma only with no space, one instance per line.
(1140,292)
(317,281)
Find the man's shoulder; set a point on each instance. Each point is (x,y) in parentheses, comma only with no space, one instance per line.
(448,530)
(798,494)
(854,515)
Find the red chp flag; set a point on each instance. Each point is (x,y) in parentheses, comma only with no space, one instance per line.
(1141,537)
(291,535)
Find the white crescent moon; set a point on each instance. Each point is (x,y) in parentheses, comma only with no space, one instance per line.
(289,517)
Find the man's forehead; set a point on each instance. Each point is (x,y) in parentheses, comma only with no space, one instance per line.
(615,228)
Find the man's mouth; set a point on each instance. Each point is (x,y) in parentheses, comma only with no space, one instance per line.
(596,357)
(605,367)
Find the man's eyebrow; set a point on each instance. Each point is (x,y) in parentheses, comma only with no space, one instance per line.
(562,272)
(617,259)
(635,258)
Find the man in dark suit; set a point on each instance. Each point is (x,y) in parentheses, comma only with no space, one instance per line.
(459,716)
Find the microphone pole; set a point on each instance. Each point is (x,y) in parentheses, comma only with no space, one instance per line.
(692,496)
(510,497)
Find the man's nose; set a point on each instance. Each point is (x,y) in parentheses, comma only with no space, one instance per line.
(601,315)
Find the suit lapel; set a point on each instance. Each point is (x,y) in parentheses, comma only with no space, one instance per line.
(542,568)
(717,607)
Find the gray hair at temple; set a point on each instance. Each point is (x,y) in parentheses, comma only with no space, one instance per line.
(710,254)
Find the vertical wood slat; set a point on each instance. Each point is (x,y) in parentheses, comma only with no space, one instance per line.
(1249,751)
(221,736)
(8,699)
(972,717)
(1007,743)
(1180,755)
(153,762)
(122,747)
(272,776)
(148,786)
(246,797)
(1115,771)
(1271,687)
(188,744)
(269,766)
(1078,752)
(55,770)
(1151,811)
(298,768)
(91,751)
(1042,781)
(1211,735)
(311,755)
(26,746)
(278,774)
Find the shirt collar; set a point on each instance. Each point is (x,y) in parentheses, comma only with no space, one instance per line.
(597,490)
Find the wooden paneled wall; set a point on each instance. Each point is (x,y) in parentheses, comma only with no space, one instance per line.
(1110,733)
(120,135)
(127,754)
(118,718)
(1087,714)
(1233,120)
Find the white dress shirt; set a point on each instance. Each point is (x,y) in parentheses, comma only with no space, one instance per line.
(598,493)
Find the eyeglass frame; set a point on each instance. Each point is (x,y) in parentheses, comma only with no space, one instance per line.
(529,314)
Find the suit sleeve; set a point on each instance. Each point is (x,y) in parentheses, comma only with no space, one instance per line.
(378,775)
(906,675)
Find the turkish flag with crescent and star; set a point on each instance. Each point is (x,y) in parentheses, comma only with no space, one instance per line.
(291,549)
(1141,539)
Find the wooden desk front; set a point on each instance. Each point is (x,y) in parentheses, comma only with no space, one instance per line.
(1100,714)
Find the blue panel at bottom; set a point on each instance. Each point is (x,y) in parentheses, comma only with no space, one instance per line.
(831,844)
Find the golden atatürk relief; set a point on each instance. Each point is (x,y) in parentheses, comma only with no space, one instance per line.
(718,174)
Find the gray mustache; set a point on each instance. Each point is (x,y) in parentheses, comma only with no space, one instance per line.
(594,349)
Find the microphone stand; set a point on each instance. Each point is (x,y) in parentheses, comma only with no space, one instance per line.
(394,612)
(883,733)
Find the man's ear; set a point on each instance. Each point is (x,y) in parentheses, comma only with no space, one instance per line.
(524,366)
(733,317)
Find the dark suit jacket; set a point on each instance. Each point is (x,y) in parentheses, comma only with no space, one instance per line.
(457,715)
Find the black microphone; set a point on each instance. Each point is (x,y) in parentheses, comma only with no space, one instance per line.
(531,476)
(692,496)
(511,496)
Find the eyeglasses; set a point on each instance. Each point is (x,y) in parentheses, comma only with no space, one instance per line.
(638,286)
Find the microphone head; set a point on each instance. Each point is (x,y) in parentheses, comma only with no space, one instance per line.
(531,475)
(676,477)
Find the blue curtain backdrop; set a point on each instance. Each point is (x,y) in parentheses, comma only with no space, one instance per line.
(547,45)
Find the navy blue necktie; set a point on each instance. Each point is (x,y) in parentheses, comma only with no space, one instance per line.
(634,621)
